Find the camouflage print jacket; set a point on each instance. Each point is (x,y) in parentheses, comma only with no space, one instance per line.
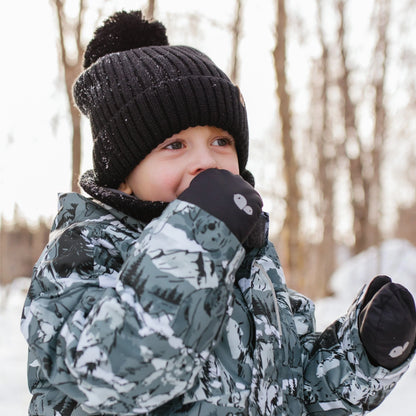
(175,318)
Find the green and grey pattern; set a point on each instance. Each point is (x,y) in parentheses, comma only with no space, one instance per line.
(175,318)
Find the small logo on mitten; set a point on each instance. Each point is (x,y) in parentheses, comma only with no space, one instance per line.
(399,350)
(241,203)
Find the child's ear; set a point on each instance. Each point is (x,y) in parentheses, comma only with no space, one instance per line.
(124,187)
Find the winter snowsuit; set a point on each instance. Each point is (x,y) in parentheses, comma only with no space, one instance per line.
(176,318)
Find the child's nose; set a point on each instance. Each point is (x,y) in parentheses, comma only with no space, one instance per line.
(202,160)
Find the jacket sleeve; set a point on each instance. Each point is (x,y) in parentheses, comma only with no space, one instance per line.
(338,377)
(126,342)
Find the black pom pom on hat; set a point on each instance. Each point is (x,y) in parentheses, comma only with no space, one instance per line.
(124,31)
(137,90)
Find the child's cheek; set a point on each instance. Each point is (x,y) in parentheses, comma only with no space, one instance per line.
(170,185)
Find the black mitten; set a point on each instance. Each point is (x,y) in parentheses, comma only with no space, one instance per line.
(228,197)
(387,323)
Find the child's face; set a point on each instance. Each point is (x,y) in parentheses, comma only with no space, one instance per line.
(169,169)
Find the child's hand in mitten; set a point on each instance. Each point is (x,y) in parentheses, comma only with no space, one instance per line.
(387,323)
(228,197)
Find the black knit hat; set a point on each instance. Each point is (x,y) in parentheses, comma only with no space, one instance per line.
(137,91)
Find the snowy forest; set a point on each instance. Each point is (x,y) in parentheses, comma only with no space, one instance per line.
(330,90)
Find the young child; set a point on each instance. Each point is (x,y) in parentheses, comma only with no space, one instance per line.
(161,294)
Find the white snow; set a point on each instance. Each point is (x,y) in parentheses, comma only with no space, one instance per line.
(396,258)
(14,394)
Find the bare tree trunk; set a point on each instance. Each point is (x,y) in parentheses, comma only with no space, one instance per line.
(353,148)
(150,11)
(326,172)
(236,31)
(71,67)
(382,15)
(291,238)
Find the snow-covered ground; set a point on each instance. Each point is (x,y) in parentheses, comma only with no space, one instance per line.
(14,394)
(396,258)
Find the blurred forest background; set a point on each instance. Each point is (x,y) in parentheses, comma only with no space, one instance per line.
(333,142)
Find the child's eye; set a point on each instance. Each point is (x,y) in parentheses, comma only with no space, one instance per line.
(174,146)
(222,141)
